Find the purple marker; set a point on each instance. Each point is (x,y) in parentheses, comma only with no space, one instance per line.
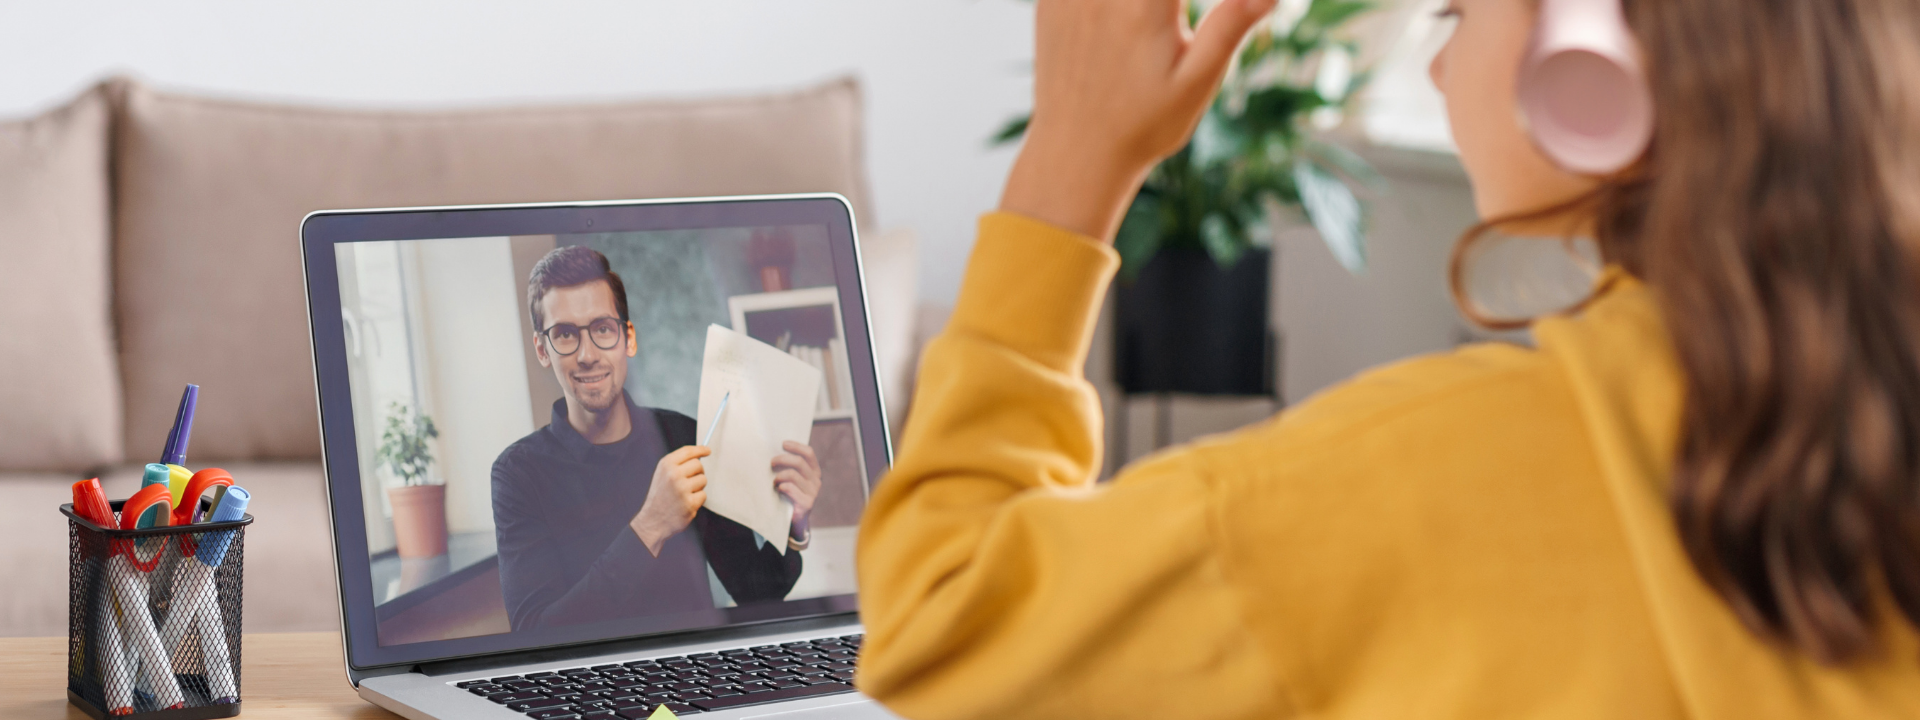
(176,450)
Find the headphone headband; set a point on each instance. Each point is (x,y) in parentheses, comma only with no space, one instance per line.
(1582,90)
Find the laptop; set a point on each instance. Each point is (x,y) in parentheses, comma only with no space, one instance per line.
(532,514)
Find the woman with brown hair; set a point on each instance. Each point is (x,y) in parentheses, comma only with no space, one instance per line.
(1698,496)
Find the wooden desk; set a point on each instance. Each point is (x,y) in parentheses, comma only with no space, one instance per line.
(291,675)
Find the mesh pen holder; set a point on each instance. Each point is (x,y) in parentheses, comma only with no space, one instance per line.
(153,619)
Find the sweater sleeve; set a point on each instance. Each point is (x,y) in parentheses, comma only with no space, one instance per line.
(996,579)
(751,572)
(532,571)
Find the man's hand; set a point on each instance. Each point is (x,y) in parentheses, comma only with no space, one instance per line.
(797,476)
(1118,85)
(679,489)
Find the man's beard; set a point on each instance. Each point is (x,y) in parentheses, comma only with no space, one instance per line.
(603,403)
(601,393)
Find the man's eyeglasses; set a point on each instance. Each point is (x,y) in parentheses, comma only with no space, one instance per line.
(607,334)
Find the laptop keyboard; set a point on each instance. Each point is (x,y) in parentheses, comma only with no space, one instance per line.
(686,684)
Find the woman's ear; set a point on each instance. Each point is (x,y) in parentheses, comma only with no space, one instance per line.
(1476,72)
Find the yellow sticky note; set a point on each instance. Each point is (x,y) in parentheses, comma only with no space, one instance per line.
(662,713)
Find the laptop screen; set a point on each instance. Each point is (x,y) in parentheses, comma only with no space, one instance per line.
(598,431)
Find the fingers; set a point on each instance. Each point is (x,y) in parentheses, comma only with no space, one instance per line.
(798,488)
(797,493)
(690,468)
(789,477)
(796,477)
(1216,39)
(802,450)
(689,452)
(802,459)
(793,461)
(689,477)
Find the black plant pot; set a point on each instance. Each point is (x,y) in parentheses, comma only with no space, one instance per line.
(1187,325)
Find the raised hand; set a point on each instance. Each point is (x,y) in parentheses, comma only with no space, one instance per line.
(797,476)
(678,491)
(1118,86)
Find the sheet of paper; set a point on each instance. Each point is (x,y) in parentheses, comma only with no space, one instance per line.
(770,397)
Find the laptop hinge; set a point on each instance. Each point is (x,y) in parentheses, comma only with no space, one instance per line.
(356,676)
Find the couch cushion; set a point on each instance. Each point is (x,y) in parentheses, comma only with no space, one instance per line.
(33,555)
(211,194)
(59,376)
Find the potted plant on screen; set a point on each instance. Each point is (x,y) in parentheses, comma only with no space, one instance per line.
(419,505)
(1191,304)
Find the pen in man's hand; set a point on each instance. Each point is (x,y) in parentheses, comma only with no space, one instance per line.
(717,414)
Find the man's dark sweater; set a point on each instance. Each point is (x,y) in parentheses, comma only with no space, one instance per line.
(560,511)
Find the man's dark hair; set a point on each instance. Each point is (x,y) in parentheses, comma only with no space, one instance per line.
(569,266)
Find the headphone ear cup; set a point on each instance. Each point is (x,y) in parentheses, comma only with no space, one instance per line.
(1582,91)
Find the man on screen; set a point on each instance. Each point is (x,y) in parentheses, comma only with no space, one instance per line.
(599,515)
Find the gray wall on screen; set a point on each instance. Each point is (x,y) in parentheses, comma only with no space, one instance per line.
(678,282)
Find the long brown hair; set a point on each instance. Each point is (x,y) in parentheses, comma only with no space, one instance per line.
(1777,220)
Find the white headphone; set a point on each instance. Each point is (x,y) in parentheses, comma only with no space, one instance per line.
(1582,90)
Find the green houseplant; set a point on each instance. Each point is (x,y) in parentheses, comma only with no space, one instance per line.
(419,505)
(1194,245)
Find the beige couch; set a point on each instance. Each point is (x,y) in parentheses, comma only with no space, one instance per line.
(148,240)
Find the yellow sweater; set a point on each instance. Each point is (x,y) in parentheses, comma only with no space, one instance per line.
(1474,534)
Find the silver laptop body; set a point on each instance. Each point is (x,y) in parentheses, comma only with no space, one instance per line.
(422,313)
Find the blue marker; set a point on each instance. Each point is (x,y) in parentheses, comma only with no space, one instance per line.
(200,608)
(232,506)
(158,474)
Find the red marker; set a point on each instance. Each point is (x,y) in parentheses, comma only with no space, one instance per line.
(90,503)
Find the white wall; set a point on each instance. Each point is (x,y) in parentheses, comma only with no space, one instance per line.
(940,75)
(474,365)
